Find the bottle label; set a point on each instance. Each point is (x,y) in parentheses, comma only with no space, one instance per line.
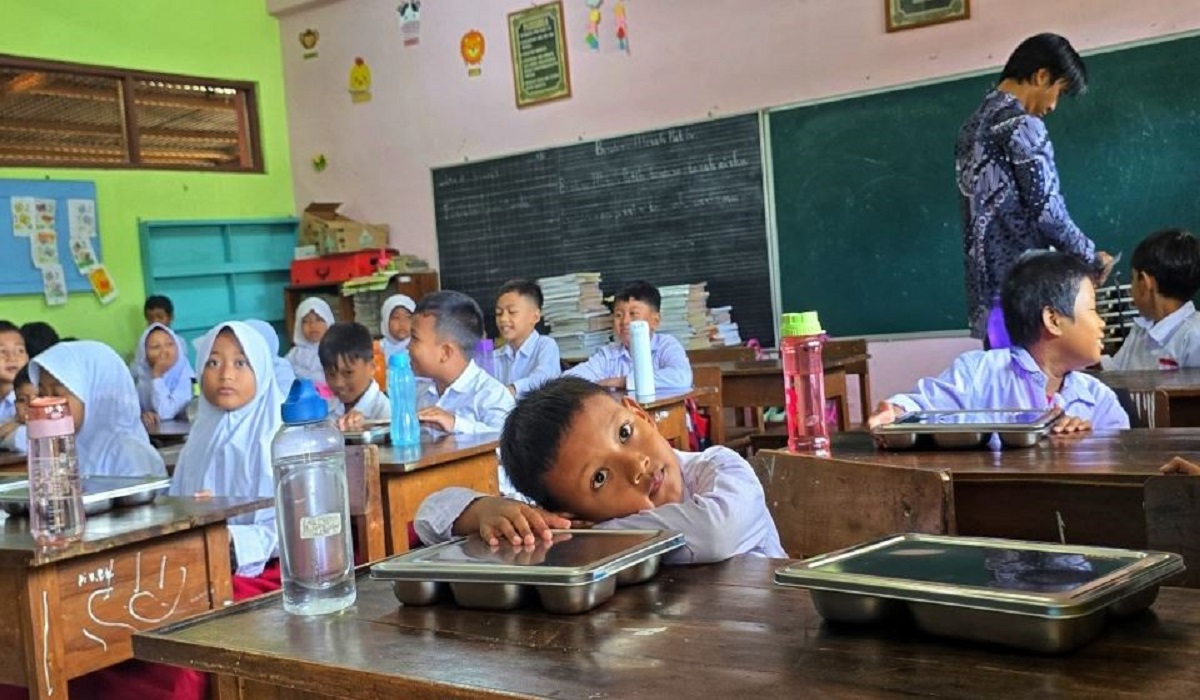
(315,526)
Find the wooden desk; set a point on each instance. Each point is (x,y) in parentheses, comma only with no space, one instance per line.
(71,611)
(447,460)
(1181,386)
(670,414)
(719,631)
(169,432)
(12,462)
(1092,481)
(760,383)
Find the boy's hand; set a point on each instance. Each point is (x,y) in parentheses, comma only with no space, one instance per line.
(1179,465)
(354,420)
(438,417)
(517,523)
(150,420)
(1070,424)
(885,413)
(613,382)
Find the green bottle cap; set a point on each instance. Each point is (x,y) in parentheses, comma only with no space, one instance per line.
(807,323)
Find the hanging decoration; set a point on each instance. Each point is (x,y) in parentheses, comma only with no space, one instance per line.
(622,26)
(360,81)
(308,41)
(472,48)
(410,22)
(593,34)
(319,162)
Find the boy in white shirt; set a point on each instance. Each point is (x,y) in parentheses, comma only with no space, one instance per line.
(1166,275)
(528,359)
(446,329)
(347,355)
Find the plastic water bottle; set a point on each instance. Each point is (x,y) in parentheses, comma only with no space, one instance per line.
(804,382)
(402,392)
(56,515)
(485,355)
(312,507)
(643,366)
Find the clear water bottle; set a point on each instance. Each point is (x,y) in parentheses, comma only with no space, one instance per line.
(56,514)
(312,507)
(402,392)
(804,382)
(641,380)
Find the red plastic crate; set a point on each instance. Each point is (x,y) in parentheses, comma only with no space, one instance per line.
(334,269)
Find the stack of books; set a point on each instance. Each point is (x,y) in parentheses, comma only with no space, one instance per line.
(574,309)
(684,314)
(721,328)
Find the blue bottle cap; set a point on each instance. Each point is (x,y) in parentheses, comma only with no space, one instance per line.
(399,361)
(304,404)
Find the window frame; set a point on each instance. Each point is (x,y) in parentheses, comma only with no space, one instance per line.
(250,142)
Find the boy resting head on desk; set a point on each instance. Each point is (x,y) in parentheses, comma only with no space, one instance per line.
(1049,305)
(1165,276)
(587,457)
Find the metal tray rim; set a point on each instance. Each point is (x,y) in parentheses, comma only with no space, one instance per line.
(405,567)
(143,485)
(1043,423)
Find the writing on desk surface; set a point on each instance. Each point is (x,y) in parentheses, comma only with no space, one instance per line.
(117,601)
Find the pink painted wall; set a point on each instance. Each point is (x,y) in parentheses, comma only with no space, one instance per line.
(691,59)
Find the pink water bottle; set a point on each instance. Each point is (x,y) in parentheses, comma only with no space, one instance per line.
(56,514)
(804,382)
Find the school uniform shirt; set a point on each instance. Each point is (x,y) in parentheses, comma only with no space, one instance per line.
(16,441)
(8,407)
(387,342)
(1011,379)
(672,370)
(530,366)
(284,374)
(723,511)
(168,395)
(1171,343)
(303,355)
(478,401)
(373,404)
(228,453)
(112,440)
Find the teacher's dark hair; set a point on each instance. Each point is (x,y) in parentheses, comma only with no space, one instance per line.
(1052,52)
(1041,279)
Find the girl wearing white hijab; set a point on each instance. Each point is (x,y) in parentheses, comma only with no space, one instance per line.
(284,374)
(228,452)
(109,436)
(313,318)
(395,323)
(162,374)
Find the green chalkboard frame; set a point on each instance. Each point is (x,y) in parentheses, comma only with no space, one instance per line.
(865,209)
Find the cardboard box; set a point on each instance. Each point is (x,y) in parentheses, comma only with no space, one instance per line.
(330,232)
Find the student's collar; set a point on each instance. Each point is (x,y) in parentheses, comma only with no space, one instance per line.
(464,381)
(366,392)
(1075,387)
(1162,330)
(525,349)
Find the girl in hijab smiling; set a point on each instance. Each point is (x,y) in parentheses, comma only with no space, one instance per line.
(162,374)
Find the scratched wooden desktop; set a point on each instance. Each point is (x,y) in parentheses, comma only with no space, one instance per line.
(717,631)
(1181,387)
(70,611)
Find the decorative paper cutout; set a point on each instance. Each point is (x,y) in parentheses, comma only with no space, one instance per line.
(360,81)
(83,254)
(102,284)
(82,213)
(472,48)
(22,217)
(319,163)
(308,40)
(43,248)
(622,26)
(410,22)
(54,285)
(593,35)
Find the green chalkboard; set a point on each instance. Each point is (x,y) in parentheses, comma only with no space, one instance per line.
(867,210)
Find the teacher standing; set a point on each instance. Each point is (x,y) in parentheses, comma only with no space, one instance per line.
(1007,178)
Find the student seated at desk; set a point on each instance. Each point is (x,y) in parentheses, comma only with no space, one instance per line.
(12,434)
(110,438)
(12,358)
(38,336)
(1166,275)
(158,309)
(395,323)
(612,366)
(313,319)
(348,358)
(162,374)
(573,449)
(528,359)
(1049,307)
(447,327)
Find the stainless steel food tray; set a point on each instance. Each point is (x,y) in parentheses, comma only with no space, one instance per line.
(376,435)
(100,493)
(575,572)
(1037,596)
(966,429)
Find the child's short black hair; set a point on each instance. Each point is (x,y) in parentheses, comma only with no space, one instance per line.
(158,301)
(1041,279)
(22,377)
(9,327)
(1052,52)
(348,340)
(1172,258)
(456,316)
(525,288)
(38,336)
(534,431)
(640,291)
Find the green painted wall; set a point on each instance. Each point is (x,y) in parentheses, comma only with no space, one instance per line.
(234,39)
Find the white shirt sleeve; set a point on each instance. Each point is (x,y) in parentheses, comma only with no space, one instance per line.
(546,365)
(596,369)
(254,543)
(673,369)
(435,518)
(486,412)
(169,403)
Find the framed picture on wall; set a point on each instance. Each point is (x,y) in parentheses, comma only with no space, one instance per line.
(538,42)
(910,14)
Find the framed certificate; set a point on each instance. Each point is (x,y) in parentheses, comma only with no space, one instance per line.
(537,38)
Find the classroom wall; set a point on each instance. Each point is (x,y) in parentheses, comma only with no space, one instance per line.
(234,39)
(690,59)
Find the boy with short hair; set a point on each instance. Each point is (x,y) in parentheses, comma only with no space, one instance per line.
(347,356)
(12,358)
(575,449)
(12,434)
(612,365)
(446,329)
(1166,275)
(527,359)
(1049,305)
(158,309)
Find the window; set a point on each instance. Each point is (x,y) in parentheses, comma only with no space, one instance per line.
(63,115)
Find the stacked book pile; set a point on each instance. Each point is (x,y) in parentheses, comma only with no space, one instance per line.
(684,314)
(574,309)
(721,328)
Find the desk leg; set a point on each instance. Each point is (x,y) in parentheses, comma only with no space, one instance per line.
(403,492)
(216,555)
(44,654)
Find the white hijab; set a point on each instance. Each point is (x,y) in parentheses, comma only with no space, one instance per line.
(389,344)
(229,452)
(284,374)
(303,355)
(143,374)
(112,440)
